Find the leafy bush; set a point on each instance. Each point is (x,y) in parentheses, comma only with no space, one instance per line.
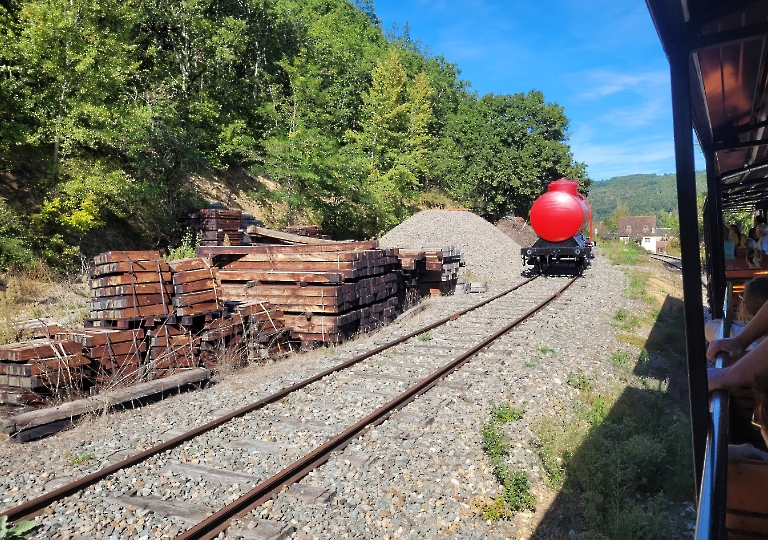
(18,532)
(14,247)
(187,248)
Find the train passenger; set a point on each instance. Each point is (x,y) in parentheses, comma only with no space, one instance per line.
(752,369)
(749,362)
(729,245)
(740,240)
(752,299)
(755,256)
(753,231)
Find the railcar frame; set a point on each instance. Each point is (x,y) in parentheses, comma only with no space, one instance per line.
(718,58)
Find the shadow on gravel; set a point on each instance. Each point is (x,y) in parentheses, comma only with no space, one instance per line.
(624,467)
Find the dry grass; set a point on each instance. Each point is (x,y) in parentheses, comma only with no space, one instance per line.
(35,293)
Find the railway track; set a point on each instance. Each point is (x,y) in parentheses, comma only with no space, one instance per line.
(246,456)
(669,260)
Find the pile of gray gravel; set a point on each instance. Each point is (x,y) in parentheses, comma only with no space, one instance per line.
(489,253)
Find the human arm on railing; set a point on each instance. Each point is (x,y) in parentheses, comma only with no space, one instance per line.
(735,346)
(742,373)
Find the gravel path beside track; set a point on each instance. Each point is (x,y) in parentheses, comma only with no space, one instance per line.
(412,477)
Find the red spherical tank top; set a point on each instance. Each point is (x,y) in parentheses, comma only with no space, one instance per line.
(559,213)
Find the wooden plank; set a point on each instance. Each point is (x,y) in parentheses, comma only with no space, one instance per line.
(128,279)
(38,348)
(194,286)
(190,299)
(197,309)
(117,349)
(301,266)
(121,256)
(747,489)
(93,337)
(138,288)
(216,251)
(313,256)
(286,237)
(192,263)
(120,302)
(193,275)
(130,313)
(130,267)
(301,277)
(744,522)
(96,404)
(42,366)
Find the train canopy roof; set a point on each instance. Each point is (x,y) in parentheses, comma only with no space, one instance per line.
(728,46)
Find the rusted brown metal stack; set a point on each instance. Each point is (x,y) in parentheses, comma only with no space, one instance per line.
(35,369)
(218,226)
(116,355)
(327,291)
(129,289)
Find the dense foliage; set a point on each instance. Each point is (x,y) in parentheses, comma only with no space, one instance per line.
(107,107)
(640,195)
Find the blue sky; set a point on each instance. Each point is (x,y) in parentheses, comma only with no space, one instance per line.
(599,59)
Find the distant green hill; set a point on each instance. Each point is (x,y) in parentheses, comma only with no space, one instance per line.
(644,194)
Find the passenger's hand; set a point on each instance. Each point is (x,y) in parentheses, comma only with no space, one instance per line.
(717,379)
(727,345)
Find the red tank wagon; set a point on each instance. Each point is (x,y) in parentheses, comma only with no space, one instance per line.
(560,217)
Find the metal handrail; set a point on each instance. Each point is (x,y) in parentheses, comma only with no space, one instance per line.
(710,514)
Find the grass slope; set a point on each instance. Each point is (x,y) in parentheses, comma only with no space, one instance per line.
(644,194)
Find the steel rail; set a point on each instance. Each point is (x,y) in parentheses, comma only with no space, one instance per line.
(34,506)
(219,521)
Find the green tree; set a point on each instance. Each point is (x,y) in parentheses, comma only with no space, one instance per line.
(621,210)
(506,149)
(394,138)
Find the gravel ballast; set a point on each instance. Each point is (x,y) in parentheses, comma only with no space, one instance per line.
(489,253)
(418,475)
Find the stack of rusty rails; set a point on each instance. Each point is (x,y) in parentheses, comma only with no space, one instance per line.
(264,331)
(327,291)
(313,231)
(172,348)
(116,355)
(129,289)
(34,370)
(218,226)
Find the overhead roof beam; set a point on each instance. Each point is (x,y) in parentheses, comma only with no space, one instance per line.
(739,145)
(729,37)
(716,10)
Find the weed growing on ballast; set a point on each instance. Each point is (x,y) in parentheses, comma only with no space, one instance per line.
(515,494)
(426,336)
(76,459)
(580,382)
(620,360)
